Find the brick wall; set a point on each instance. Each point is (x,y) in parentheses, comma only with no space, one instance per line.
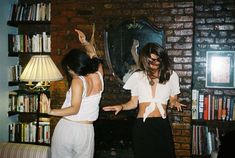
(176,18)
(214,31)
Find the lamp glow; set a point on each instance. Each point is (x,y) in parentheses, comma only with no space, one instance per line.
(41,68)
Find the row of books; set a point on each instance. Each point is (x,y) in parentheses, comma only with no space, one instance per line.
(27,102)
(30,12)
(26,132)
(29,43)
(212,107)
(14,72)
(204,140)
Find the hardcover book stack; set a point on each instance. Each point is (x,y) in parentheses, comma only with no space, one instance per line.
(23,43)
(30,12)
(212,107)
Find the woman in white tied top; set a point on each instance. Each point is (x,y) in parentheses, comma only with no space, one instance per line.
(151,88)
(73,136)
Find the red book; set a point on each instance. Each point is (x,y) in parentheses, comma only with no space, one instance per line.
(220,104)
(205,109)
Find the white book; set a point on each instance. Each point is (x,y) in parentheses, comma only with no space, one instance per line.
(10,73)
(49,43)
(200,106)
(209,142)
(40,43)
(38,8)
(17,43)
(26,132)
(20,103)
(44,42)
(32,132)
(195,94)
(35,43)
(49,12)
(46,134)
(43,12)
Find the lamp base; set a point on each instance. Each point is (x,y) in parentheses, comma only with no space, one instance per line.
(40,86)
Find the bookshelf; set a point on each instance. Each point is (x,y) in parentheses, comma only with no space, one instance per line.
(34,124)
(213,114)
(213,73)
(32,19)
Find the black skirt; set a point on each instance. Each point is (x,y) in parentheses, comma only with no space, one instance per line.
(153,138)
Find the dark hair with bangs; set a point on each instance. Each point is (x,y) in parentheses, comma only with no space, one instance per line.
(81,63)
(165,63)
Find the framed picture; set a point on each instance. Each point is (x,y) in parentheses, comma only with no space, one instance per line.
(220,69)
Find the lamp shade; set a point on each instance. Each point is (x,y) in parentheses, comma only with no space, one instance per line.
(41,68)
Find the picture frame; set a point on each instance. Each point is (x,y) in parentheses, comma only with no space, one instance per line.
(220,69)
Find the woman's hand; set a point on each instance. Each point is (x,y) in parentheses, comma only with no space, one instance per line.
(116,108)
(49,111)
(81,36)
(177,105)
(46,103)
(90,49)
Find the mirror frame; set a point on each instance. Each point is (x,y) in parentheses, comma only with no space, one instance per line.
(118,41)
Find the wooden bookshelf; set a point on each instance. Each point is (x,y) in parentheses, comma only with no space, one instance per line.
(31,18)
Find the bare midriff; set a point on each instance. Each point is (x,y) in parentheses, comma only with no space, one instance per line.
(155,113)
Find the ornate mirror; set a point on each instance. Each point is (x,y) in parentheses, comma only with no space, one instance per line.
(123,42)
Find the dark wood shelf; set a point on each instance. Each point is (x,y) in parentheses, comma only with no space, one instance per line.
(34,1)
(43,115)
(17,23)
(13,83)
(220,124)
(34,143)
(16,54)
(212,122)
(11,113)
(13,54)
(17,83)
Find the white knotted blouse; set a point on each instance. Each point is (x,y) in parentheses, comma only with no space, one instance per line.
(139,85)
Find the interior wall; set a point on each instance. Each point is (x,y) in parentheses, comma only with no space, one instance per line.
(5,61)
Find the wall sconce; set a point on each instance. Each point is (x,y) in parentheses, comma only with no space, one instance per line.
(41,69)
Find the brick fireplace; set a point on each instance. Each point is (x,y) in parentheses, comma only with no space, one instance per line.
(113,133)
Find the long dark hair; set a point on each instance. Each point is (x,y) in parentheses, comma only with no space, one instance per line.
(165,63)
(81,63)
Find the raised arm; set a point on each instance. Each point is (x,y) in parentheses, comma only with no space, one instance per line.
(92,40)
(89,46)
(134,53)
